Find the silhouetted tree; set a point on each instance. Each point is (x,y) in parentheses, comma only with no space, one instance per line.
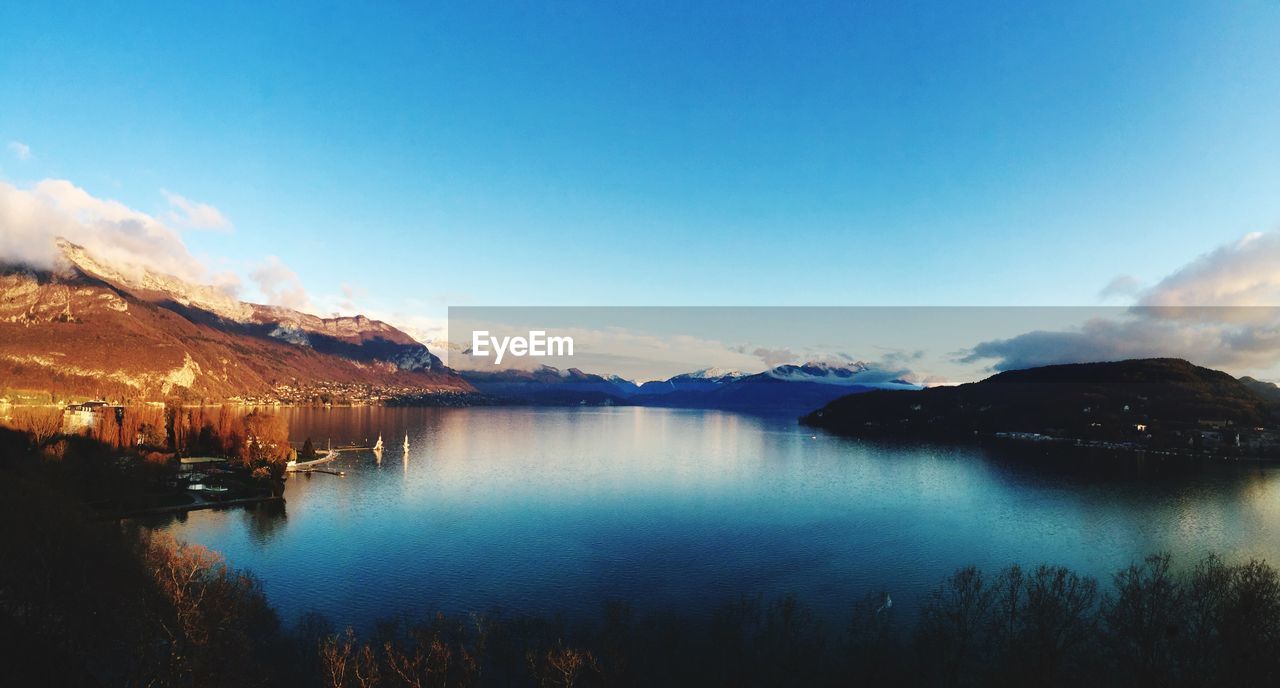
(1143,620)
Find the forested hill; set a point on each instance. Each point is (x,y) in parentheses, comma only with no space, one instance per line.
(1114,400)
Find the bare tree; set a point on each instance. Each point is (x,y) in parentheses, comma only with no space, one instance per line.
(1142,619)
(562,666)
(407,666)
(367,672)
(41,422)
(337,658)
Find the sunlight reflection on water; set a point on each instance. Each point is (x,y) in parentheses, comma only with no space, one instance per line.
(558,510)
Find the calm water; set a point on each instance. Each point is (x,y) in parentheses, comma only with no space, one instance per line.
(558,510)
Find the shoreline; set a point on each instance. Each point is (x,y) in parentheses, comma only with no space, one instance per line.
(1064,445)
(199,505)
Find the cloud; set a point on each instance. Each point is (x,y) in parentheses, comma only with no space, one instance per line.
(280,285)
(1140,334)
(431,331)
(1126,286)
(892,365)
(127,240)
(1243,273)
(1221,310)
(775,357)
(351,295)
(194,215)
(20,150)
(32,218)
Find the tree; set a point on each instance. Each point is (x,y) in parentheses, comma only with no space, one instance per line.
(217,622)
(562,666)
(266,443)
(41,422)
(1142,619)
(336,658)
(954,625)
(150,435)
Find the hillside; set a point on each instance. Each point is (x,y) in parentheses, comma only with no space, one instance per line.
(84,330)
(1148,399)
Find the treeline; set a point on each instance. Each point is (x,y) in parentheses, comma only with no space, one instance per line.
(91,602)
(100,603)
(1215,624)
(256,437)
(94,466)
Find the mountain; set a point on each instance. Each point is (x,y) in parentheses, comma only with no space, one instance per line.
(820,372)
(1267,390)
(550,386)
(698,381)
(90,329)
(791,389)
(784,388)
(787,388)
(1162,398)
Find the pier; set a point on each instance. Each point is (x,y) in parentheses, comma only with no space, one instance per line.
(310,466)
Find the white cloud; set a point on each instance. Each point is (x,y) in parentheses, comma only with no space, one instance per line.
(20,150)
(280,285)
(1243,273)
(193,214)
(1220,310)
(127,240)
(351,295)
(32,218)
(1121,286)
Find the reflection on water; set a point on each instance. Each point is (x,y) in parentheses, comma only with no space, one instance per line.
(558,510)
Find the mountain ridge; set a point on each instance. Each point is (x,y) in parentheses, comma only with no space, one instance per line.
(786,388)
(87,329)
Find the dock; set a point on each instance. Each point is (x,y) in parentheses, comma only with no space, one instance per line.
(308,466)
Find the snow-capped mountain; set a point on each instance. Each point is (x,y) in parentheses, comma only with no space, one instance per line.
(712,374)
(87,328)
(149,285)
(548,385)
(785,388)
(355,337)
(856,373)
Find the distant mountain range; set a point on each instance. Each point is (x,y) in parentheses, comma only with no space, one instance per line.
(789,388)
(86,329)
(549,386)
(1120,401)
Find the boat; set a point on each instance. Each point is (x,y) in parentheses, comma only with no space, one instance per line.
(406,441)
(378,447)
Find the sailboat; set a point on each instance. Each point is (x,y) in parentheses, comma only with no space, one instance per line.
(378,447)
(406,443)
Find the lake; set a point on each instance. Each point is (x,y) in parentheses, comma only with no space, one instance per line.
(548,510)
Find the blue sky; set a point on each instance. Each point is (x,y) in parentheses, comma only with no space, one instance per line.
(667,154)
